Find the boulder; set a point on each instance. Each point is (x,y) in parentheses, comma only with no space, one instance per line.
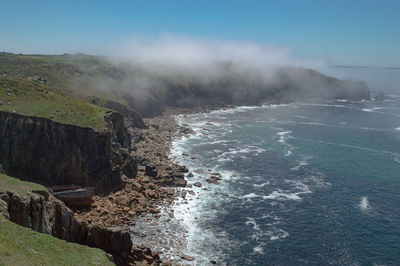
(183,169)
(141,200)
(111,182)
(180,182)
(137,185)
(197,184)
(114,240)
(130,167)
(212,180)
(150,193)
(151,170)
(145,256)
(216,175)
(123,200)
(187,257)
(176,175)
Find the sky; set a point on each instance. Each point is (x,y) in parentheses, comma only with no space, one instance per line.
(340,32)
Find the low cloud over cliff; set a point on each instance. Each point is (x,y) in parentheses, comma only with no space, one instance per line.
(184,71)
(169,53)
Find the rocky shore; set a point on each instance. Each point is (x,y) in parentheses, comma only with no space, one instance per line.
(53,134)
(155,186)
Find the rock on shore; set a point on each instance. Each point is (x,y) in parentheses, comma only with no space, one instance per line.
(43,213)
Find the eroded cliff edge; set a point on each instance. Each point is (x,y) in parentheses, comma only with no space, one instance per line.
(40,211)
(51,153)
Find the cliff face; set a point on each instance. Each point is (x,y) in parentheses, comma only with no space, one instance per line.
(45,214)
(51,153)
(131,117)
(241,88)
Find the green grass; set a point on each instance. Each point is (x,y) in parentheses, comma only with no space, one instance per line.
(23,246)
(29,97)
(73,77)
(8,183)
(22,93)
(71,74)
(66,94)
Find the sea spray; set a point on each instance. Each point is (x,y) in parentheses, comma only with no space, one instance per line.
(364,204)
(268,204)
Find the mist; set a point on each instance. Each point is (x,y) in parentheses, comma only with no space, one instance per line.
(188,55)
(183,71)
(379,79)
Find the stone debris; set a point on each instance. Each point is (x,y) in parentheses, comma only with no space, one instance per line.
(197,184)
(157,183)
(187,257)
(212,180)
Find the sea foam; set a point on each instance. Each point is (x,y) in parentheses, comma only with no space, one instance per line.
(364,204)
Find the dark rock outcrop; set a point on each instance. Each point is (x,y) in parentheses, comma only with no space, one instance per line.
(51,153)
(2,170)
(380,97)
(231,87)
(116,129)
(4,210)
(131,117)
(46,214)
(151,170)
(43,213)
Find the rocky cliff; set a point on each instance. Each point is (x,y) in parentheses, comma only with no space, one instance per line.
(51,153)
(131,87)
(43,213)
(233,87)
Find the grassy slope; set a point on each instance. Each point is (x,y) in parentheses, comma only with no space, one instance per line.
(20,245)
(75,81)
(21,91)
(8,183)
(23,246)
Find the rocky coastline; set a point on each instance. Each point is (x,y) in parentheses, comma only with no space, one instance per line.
(145,202)
(153,190)
(57,132)
(137,209)
(154,185)
(121,195)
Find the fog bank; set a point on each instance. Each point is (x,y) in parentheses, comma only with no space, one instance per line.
(185,72)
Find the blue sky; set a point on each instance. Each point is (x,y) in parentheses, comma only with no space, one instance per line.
(351,32)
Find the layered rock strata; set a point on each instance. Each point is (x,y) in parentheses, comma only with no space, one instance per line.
(51,153)
(43,213)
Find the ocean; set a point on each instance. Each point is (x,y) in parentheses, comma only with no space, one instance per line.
(302,184)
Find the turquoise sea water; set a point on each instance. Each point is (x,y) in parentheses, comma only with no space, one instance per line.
(303,184)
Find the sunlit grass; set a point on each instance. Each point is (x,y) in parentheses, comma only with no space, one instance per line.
(23,246)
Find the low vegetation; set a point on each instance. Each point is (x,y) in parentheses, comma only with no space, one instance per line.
(37,86)
(8,183)
(81,80)
(23,246)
